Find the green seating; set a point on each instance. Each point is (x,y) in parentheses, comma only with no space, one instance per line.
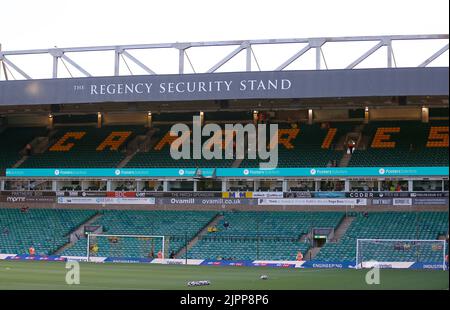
(388,225)
(176,226)
(83,154)
(410,146)
(162,158)
(250,235)
(262,235)
(307,148)
(12,141)
(44,229)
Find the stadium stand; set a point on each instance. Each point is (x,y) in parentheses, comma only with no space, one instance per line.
(13,140)
(159,155)
(44,229)
(245,235)
(262,235)
(302,145)
(85,147)
(404,143)
(389,225)
(176,224)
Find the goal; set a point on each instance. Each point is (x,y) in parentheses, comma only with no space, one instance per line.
(373,252)
(125,246)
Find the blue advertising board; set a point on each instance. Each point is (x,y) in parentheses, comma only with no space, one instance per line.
(230,172)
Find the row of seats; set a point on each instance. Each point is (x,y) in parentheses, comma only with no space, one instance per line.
(176,226)
(393,143)
(160,155)
(13,140)
(253,235)
(389,225)
(262,235)
(44,229)
(306,145)
(415,143)
(404,143)
(85,147)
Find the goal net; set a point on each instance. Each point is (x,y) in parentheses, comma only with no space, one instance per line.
(125,246)
(376,252)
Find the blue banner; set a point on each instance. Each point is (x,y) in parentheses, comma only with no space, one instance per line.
(231,172)
(126,260)
(328,265)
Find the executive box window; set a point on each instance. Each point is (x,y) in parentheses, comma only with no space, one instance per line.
(427,185)
(394,186)
(332,186)
(301,186)
(209,186)
(240,186)
(363,186)
(181,186)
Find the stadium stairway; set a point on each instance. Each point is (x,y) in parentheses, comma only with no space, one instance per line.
(20,161)
(140,143)
(356,135)
(76,233)
(339,232)
(343,226)
(345,160)
(312,252)
(39,145)
(203,232)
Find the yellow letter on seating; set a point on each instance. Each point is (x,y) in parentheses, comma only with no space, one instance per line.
(438,136)
(381,139)
(61,147)
(114,140)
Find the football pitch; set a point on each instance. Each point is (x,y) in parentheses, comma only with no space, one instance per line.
(15,275)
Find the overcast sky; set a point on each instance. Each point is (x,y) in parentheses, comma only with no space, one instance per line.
(31,24)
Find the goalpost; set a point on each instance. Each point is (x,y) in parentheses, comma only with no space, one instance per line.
(369,252)
(125,246)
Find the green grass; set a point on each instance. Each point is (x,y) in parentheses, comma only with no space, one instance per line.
(51,275)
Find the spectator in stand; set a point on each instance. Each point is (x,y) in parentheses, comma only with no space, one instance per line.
(351,146)
(398,188)
(261,117)
(32,251)
(28,149)
(226,225)
(172,255)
